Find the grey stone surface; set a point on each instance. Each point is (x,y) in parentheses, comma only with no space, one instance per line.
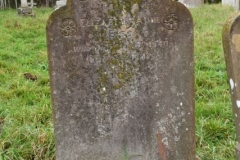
(238,151)
(122,80)
(192,3)
(231,46)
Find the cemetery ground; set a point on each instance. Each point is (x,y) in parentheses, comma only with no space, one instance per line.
(26,127)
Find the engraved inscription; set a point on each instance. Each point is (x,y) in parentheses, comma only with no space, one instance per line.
(128,21)
(68,27)
(171,22)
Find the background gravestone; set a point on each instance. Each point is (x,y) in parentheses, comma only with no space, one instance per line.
(233,3)
(24,3)
(192,3)
(231,46)
(122,80)
(60,3)
(25,9)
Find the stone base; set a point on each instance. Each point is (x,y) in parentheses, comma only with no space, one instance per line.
(25,11)
(238,151)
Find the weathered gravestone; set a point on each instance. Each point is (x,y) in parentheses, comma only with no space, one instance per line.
(231,46)
(192,3)
(122,80)
(25,9)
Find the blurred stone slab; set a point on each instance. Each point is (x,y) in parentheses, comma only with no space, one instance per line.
(25,9)
(192,3)
(60,3)
(122,80)
(24,3)
(233,3)
(231,46)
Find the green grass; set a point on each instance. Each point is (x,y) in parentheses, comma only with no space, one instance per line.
(25,110)
(215,130)
(26,127)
